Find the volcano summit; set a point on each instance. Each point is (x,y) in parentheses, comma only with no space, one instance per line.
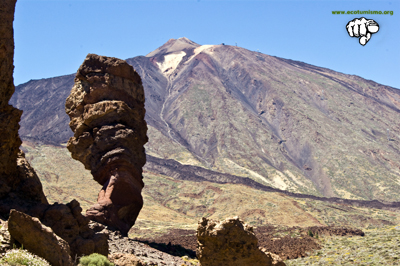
(282,123)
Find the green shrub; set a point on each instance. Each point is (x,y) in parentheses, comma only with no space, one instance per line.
(14,257)
(95,259)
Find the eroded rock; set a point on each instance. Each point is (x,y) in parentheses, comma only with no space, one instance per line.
(67,221)
(9,116)
(18,182)
(6,242)
(230,242)
(20,187)
(39,239)
(28,184)
(106,108)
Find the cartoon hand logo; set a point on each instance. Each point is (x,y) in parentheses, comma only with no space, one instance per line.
(363,28)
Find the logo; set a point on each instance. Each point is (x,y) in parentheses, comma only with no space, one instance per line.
(362,28)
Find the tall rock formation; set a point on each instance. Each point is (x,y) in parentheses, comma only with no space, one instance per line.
(18,181)
(231,242)
(9,116)
(106,108)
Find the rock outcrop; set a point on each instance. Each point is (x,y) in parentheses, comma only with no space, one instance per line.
(6,241)
(18,182)
(9,116)
(26,190)
(231,242)
(67,221)
(39,239)
(106,108)
(20,187)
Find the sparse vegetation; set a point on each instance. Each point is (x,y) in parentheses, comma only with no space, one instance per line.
(95,259)
(190,260)
(17,257)
(377,247)
(173,204)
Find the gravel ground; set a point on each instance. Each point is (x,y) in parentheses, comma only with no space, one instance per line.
(149,255)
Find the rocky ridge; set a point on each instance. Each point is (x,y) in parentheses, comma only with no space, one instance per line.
(179,171)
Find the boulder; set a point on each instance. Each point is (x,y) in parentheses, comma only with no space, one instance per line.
(29,185)
(230,242)
(67,221)
(106,109)
(39,239)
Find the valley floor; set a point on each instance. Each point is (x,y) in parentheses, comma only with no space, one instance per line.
(377,247)
(176,206)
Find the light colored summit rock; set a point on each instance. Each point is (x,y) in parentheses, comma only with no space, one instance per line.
(174,45)
(171,61)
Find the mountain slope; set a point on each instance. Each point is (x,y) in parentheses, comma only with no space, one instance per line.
(287,122)
(283,123)
(42,102)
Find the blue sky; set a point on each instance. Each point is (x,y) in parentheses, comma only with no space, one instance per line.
(52,37)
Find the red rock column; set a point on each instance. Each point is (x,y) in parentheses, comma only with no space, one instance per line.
(106,108)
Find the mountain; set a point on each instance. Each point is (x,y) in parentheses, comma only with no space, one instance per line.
(283,123)
(44,118)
